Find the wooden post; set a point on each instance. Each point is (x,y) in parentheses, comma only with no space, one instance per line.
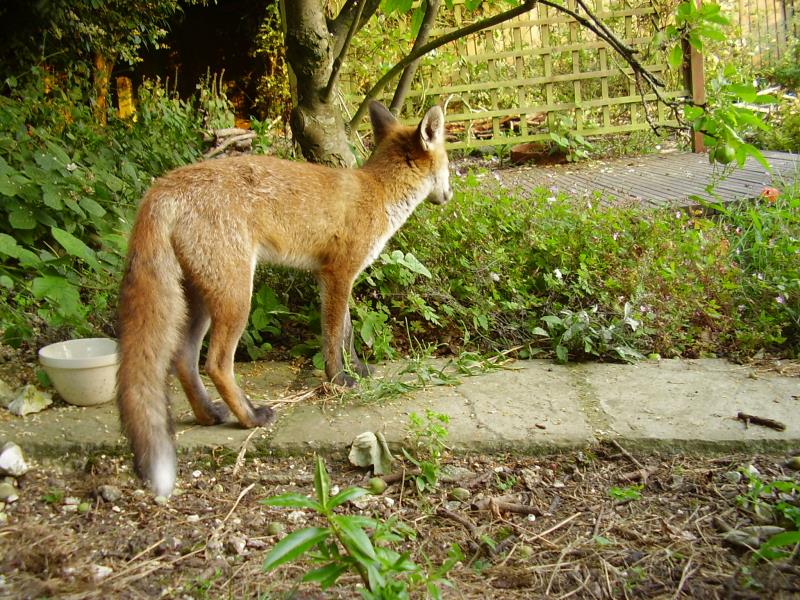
(694,78)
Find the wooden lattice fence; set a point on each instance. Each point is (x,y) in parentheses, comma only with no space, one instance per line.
(542,72)
(766,28)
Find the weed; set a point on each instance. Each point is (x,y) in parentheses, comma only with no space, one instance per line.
(346,545)
(428,435)
(626,494)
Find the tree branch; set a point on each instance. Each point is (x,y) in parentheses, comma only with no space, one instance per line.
(526,6)
(339,26)
(431,10)
(337,63)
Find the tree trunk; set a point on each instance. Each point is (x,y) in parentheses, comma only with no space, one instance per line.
(316,122)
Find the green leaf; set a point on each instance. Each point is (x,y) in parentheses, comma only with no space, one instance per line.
(746,92)
(353,537)
(92,207)
(561,353)
(22,218)
(675,57)
(75,247)
(400,6)
(293,545)
(326,576)
(322,483)
(61,292)
(292,500)
(346,495)
(756,153)
(416,20)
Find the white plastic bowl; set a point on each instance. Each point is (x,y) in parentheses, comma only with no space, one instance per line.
(84,371)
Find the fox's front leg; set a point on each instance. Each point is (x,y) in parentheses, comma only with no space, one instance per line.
(337,330)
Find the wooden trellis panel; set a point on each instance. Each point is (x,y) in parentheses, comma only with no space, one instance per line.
(519,80)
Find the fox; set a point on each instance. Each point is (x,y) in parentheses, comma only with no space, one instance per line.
(199,233)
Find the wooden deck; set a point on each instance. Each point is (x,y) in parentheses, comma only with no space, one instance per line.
(655,179)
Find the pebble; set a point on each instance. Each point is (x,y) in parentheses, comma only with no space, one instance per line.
(100,572)
(8,493)
(110,493)
(296,517)
(461,494)
(275,528)
(161,500)
(237,543)
(733,476)
(192,518)
(794,463)
(12,462)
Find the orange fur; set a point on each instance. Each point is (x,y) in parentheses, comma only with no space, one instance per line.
(192,254)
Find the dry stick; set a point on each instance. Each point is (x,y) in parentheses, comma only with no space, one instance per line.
(497,506)
(243,451)
(146,550)
(763,421)
(577,589)
(239,499)
(684,577)
(627,454)
(231,140)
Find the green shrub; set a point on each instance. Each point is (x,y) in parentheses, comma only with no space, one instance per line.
(69,189)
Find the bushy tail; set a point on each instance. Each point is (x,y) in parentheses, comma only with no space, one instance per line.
(151,314)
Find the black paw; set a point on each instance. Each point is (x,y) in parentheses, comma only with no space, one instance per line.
(263,415)
(216,413)
(344,380)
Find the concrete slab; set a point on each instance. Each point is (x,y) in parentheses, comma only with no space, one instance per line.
(532,406)
(679,403)
(537,406)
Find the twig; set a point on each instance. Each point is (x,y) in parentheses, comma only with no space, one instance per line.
(243,451)
(684,577)
(231,140)
(763,421)
(146,550)
(239,499)
(463,521)
(626,454)
(395,477)
(496,507)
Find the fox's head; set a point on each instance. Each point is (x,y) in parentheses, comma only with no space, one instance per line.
(422,148)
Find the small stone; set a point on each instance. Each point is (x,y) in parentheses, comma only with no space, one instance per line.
(794,463)
(161,500)
(524,551)
(192,518)
(257,544)
(8,493)
(109,493)
(275,528)
(71,501)
(237,544)
(84,507)
(29,399)
(377,486)
(196,473)
(100,572)
(733,476)
(296,517)
(6,394)
(454,474)
(388,501)
(12,462)
(461,494)
(219,489)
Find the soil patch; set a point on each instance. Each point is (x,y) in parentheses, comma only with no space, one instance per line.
(603,523)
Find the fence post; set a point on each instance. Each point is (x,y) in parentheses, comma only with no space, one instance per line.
(694,78)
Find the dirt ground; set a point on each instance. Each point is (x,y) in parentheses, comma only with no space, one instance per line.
(583,538)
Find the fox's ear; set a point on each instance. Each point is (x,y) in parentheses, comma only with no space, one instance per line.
(431,129)
(382,120)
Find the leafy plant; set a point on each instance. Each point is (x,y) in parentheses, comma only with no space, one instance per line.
(626,494)
(353,543)
(779,499)
(569,141)
(428,435)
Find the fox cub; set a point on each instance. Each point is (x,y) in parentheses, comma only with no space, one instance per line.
(193,250)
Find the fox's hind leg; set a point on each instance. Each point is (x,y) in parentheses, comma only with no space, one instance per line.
(187,358)
(229,308)
(363,369)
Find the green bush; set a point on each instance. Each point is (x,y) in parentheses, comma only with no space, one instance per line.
(69,189)
(569,278)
